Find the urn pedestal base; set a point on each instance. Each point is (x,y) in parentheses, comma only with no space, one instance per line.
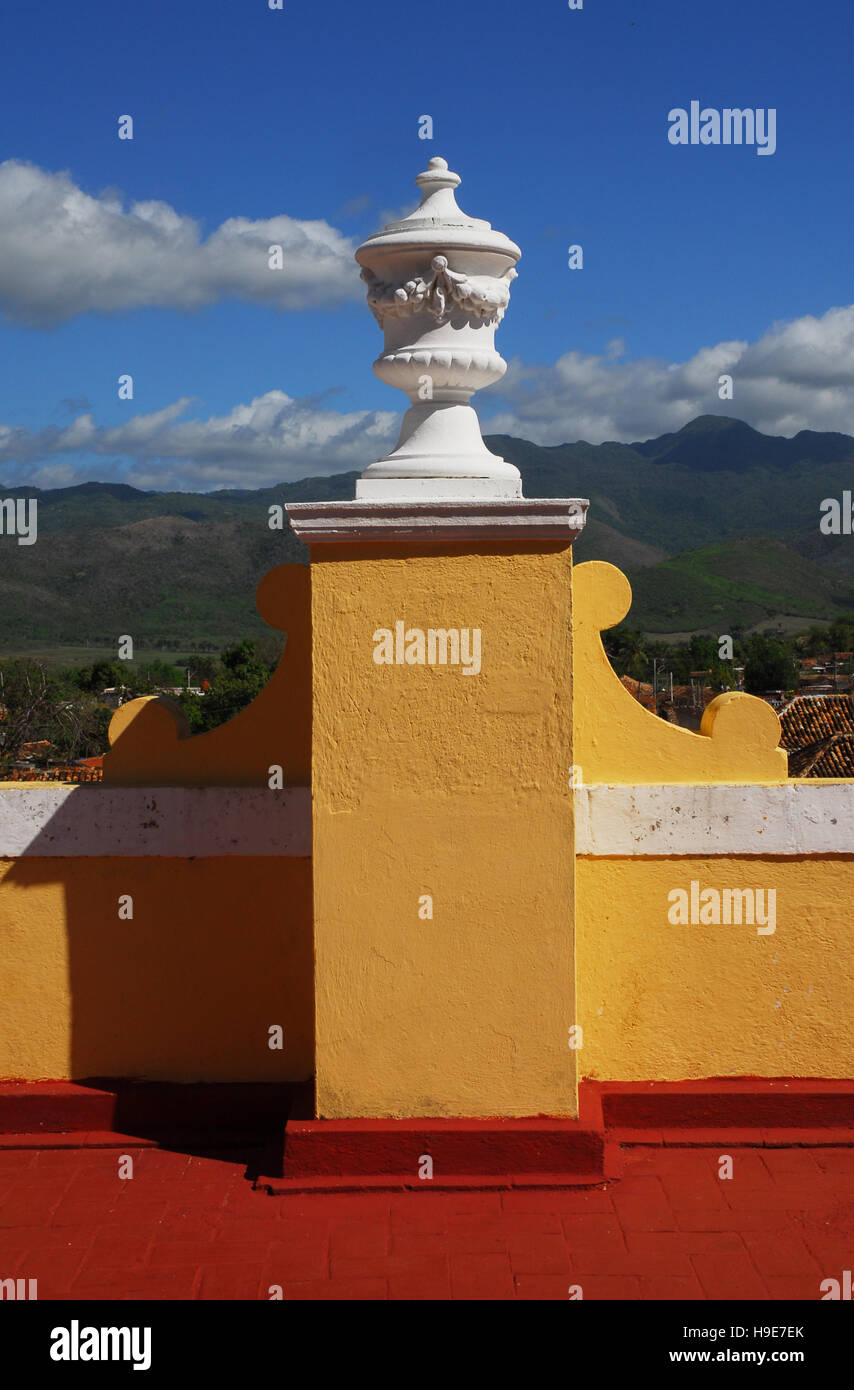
(438,489)
(440,453)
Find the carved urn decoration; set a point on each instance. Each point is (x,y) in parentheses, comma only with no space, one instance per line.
(438,285)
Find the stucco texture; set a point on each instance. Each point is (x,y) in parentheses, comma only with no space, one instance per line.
(675,1002)
(426,781)
(218,950)
(617,740)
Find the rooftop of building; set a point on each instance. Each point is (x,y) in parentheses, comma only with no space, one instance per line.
(818,735)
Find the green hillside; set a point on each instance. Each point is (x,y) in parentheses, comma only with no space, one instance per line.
(172,584)
(736,584)
(716,525)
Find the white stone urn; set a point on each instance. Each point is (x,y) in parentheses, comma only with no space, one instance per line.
(438,285)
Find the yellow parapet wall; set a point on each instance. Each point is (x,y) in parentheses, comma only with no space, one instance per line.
(678,1000)
(447,864)
(681,974)
(219,949)
(441,793)
(217,952)
(617,740)
(150,738)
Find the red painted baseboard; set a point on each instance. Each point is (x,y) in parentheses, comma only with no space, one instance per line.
(295,1152)
(129,1107)
(751,1104)
(462,1153)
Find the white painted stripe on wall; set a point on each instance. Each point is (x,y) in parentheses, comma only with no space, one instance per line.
(173,822)
(809,817)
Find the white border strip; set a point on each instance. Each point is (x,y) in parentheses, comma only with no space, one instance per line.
(37,819)
(808,817)
(172,822)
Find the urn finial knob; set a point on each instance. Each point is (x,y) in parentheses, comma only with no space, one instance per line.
(436,176)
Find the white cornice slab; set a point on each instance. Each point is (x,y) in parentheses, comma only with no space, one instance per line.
(549,518)
(793,818)
(38,819)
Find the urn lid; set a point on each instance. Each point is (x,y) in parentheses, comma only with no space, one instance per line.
(438,221)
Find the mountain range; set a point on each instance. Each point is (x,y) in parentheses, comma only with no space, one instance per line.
(717,526)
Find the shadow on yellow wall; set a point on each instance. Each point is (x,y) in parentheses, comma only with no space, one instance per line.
(218,950)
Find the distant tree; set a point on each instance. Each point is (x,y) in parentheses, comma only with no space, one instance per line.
(627,652)
(840,635)
(149,677)
(723,676)
(48,705)
(241,676)
(243,661)
(102,675)
(26,696)
(201,667)
(79,730)
(769,665)
(269,649)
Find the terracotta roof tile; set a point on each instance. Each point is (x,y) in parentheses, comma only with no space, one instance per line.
(818,735)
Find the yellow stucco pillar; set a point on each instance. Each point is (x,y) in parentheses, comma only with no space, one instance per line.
(442,825)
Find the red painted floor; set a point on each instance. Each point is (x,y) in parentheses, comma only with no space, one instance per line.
(192,1228)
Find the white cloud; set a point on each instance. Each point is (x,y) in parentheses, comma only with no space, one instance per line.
(64,252)
(798,375)
(272,439)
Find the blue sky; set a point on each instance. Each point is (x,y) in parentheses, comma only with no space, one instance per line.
(697,259)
